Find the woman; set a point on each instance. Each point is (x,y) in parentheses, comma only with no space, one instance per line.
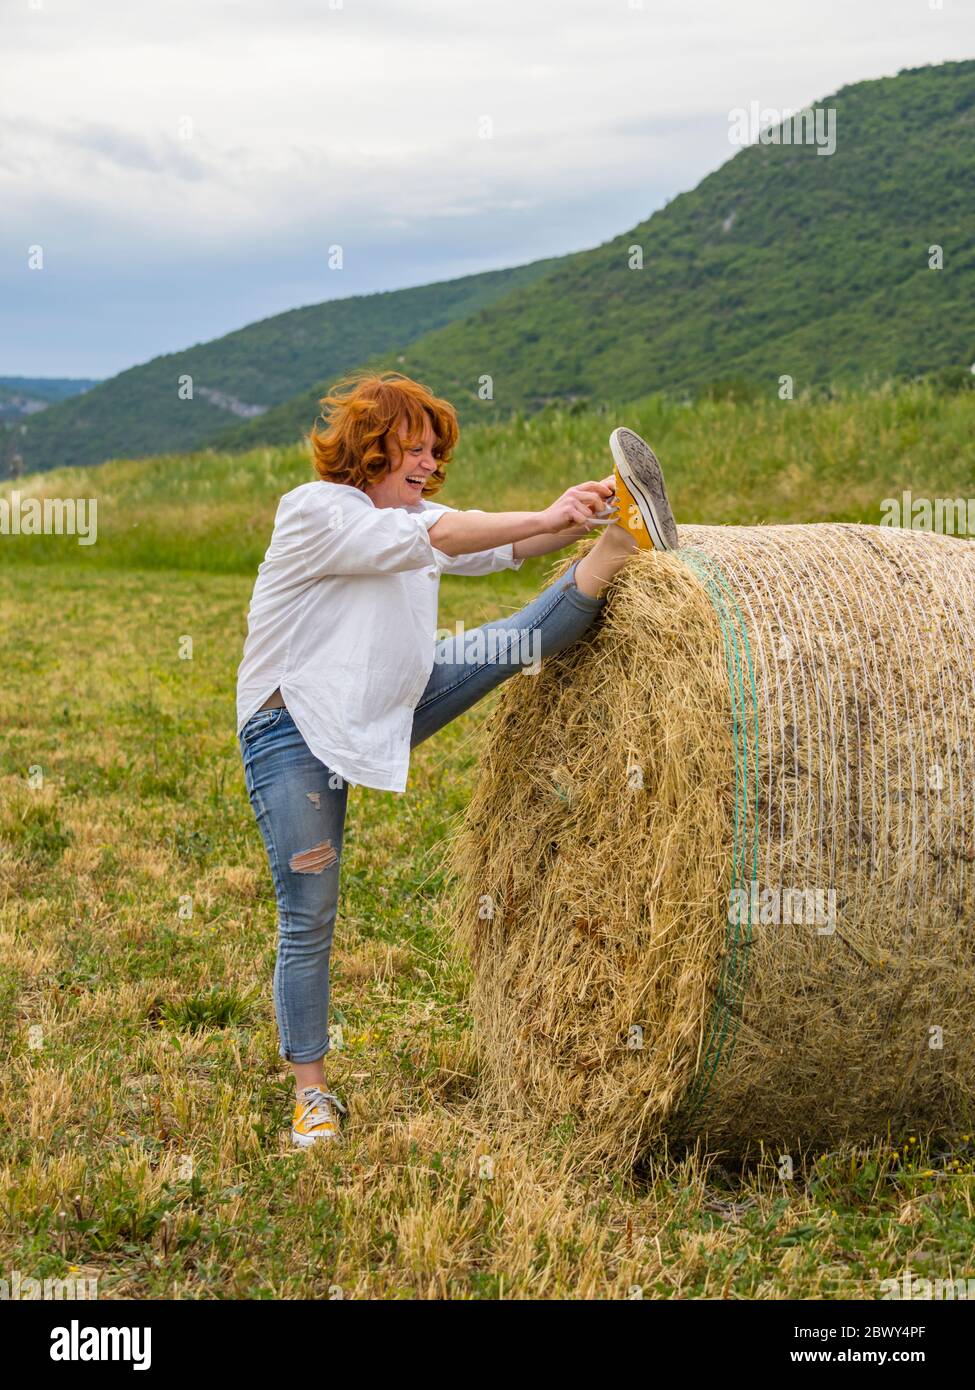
(340,675)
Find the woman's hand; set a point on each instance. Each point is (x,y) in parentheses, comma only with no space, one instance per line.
(579,508)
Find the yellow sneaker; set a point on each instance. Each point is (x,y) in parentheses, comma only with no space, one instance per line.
(641,493)
(314,1118)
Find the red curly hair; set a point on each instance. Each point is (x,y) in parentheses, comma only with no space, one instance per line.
(362,411)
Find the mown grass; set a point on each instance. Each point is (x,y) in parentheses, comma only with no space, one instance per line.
(144,1107)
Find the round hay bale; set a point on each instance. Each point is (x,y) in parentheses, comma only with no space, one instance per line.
(716,877)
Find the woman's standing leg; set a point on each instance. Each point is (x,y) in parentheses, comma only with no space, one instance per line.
(300,808)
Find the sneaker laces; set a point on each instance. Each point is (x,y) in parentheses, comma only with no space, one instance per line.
(315,1100)
(606,517)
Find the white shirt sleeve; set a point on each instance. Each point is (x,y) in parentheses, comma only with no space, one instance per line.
(336,532)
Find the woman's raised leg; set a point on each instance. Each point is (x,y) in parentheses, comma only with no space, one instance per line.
(468,666)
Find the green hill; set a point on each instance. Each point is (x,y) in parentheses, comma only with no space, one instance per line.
(46,388)
(140,413)
(21,396)
(784,262)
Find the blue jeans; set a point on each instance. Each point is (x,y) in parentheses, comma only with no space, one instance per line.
(300,804)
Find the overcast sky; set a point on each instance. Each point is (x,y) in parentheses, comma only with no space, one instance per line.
(185,166)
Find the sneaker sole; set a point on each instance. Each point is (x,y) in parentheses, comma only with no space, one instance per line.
(641,472)
(305,1141)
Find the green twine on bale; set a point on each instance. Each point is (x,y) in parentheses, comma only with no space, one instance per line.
(726,1013)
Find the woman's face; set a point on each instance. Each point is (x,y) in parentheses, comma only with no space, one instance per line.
(409,469)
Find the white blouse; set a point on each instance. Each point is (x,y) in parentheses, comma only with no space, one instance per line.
(343,618)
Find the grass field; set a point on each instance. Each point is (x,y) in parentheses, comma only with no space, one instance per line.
(144,1107)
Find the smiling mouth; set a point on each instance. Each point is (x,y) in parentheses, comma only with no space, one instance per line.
(416,479)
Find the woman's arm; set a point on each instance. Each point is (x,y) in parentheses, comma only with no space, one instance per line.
(461,533)
(546,541)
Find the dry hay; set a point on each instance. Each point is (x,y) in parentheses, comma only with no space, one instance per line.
(790,706)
